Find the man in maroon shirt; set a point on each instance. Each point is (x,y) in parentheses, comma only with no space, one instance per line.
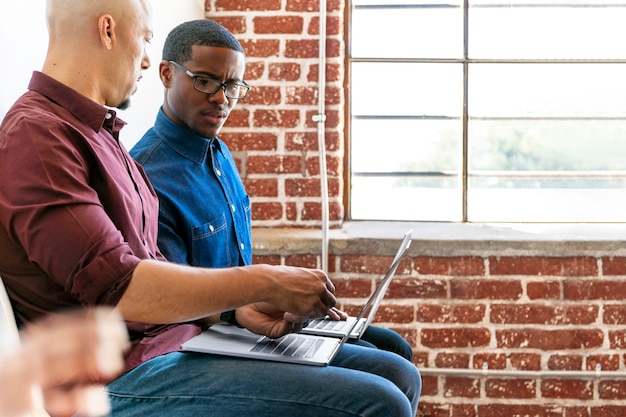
(78,225)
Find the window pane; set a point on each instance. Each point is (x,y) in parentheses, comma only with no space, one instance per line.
(547,32)
(406,145)
(407,89)
(403,32)
(565,90)
(547,171)
(390,199)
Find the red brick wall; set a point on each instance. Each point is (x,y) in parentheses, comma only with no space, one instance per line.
(519,312)
(271,132)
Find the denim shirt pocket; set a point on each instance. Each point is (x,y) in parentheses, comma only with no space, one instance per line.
(209,244)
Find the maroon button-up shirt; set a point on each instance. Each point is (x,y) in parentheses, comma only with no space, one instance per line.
(77,214)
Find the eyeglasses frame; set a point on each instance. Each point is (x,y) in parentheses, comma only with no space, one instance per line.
(221,85)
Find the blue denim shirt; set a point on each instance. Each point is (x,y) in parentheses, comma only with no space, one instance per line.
(204,214)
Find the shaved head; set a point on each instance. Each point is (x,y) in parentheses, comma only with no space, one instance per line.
(97,47)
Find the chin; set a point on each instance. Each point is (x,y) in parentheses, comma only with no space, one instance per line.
(124,104)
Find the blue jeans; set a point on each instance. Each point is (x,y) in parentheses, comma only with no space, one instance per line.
(359,382)
(386,339)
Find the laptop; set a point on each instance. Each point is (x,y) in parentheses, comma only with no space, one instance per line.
(353,326)
(300,348)
(224,339)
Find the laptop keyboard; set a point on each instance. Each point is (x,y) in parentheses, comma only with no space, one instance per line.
(290,345)
(327,324)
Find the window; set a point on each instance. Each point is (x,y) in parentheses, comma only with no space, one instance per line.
(488,111)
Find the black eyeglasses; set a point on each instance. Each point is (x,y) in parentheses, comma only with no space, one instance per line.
(210,85)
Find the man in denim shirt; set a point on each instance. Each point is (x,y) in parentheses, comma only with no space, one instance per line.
(204,215)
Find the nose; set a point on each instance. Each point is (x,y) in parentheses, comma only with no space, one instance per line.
(145,61)
(219,96)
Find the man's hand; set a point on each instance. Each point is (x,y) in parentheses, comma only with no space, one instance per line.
(270,321)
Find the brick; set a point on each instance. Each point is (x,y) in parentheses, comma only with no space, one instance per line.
(463,410)
(301,95)
(333,166)
(614,265)
(334,26)
(576,412)
(612,390)
(566,266)
(414,288)
(394,313)
(433,409)
(254,71)
(312,5)
(617,339)
(567,388)
(333,119)
(267,211)
(274,164)
(511,388)
(310,187)
(605,289)
(542,314)
(455,337)
(239,117)
(525,361)
(266,259)
(614,314)
(368,264)
(493,360)
(437,313)
(235,24)
(303,48)
(284,71)
(266,96)
(565,362)
(519,410)
(353,287)
(334,73)
(458,387)
(264,187)
(493,289)
(608,411)
(429,385)
(250,141)
(452,360)
(299,141)
(302,260)
(278,24)
(261,48)
(456,266)
(276,118)
(313,211)
(606,362)
(549,339)
(543,290)
(247,5)
(291,211)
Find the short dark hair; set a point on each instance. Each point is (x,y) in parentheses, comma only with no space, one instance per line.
(202,32)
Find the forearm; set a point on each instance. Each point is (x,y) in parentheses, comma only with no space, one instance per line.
(162,292)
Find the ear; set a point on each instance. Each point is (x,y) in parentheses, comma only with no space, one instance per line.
(166,73)
(106,30)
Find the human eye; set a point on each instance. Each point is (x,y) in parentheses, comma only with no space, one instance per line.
(206,84)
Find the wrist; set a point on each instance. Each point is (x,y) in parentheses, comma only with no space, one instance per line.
(230,318)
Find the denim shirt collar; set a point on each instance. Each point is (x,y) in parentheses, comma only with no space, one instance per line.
(184,141)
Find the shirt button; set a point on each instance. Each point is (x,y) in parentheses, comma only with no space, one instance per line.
(108,116)
(211,228)
(241,245)
(218,172)
(232,207)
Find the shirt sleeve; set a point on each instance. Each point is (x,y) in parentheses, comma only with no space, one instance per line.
(51,209)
